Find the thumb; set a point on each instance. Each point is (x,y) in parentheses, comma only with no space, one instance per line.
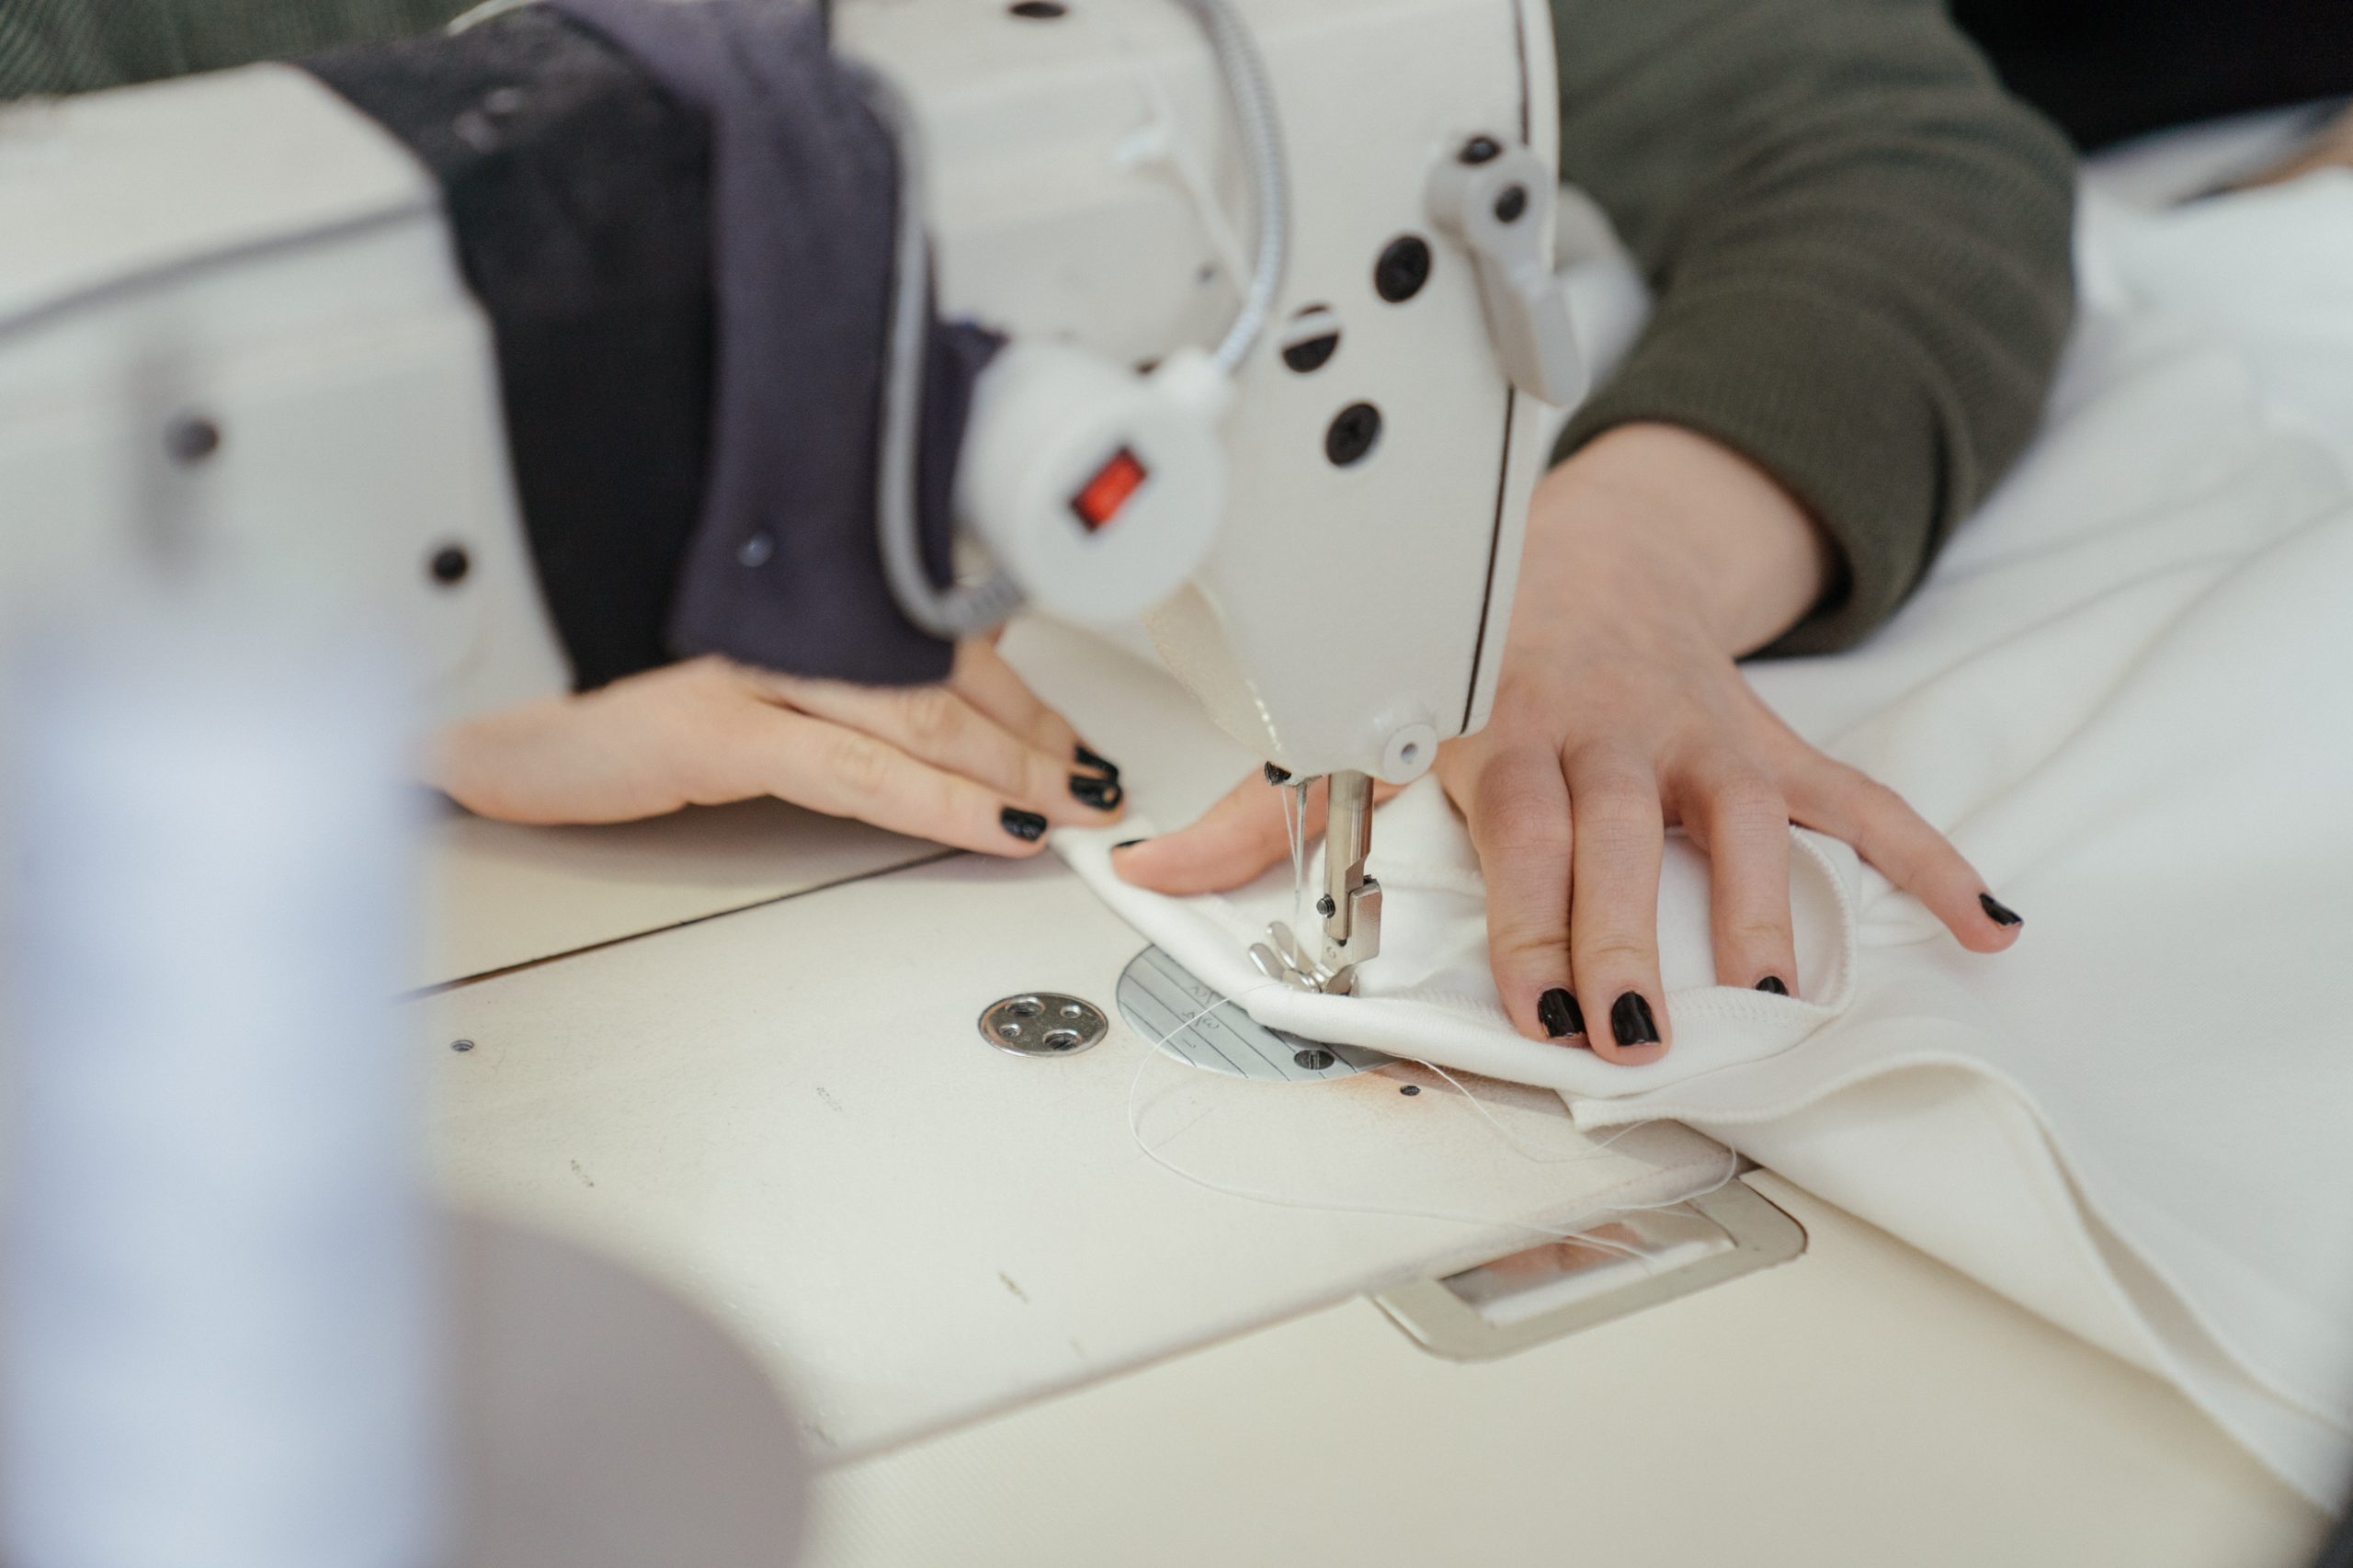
(1233,842)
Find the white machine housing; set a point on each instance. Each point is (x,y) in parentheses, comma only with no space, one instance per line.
(1085,176)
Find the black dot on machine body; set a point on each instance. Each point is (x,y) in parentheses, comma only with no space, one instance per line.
(1404,268)
(191,438)
(1354,432)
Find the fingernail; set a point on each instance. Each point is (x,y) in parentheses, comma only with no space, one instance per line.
(1027,827)
(1772,983)
(1559,1012)
(2000,914)
(1126,844)
(1103,794)
(1630,1020)
(1102,765)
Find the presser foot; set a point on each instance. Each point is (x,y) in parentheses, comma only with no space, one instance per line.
(1281,958)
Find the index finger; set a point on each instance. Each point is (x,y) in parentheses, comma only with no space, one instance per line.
(849,772)
(984,679)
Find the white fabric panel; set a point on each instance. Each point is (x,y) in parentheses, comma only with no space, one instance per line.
(2128,694)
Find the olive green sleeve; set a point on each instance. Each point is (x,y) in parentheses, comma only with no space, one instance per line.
(79,46)
(1859,249)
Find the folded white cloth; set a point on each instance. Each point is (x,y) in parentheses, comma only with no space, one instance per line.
(2127,693)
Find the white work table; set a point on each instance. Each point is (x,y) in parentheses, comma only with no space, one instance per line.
(1861,1405)
(783,1112)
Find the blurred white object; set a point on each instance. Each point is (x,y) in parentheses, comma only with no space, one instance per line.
(219,1348)
(240,417)
(239,287)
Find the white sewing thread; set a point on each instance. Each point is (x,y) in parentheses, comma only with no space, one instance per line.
(1294,803)
(1511,1140)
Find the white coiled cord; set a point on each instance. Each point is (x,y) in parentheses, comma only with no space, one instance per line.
(1262,141)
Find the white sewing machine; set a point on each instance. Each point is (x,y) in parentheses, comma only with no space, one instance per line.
(1086,191)
(697,1045)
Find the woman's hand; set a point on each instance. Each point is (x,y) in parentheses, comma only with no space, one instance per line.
(1655,559)
(979,763)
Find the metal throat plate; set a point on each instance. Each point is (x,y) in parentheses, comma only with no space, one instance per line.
(1168,1005)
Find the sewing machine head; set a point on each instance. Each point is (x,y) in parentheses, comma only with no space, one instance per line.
(1379,444)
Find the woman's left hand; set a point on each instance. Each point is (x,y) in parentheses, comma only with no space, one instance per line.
(978,763)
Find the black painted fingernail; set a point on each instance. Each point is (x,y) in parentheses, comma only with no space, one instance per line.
(1126,844)
(2000,914)
(1630,1020)
(1102,765)
(1027,827)
(1103,794)
(1276,775)
(1559,1012)
(1772,983)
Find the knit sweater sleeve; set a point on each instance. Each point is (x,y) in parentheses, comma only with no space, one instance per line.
(1859,249)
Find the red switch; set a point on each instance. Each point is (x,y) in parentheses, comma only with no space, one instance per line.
(1104,494)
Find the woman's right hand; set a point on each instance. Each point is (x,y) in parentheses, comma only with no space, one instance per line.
(977,763)
(1655,559)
